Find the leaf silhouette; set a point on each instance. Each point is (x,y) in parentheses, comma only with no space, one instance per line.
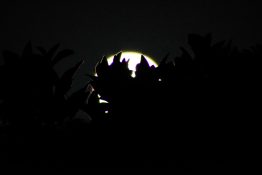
(65,82)
(185,55)
(219,45)
(77,101)
(163,61)
(125,63)
(27,52)
(144,63)
(50,54)
(42,50)
(94,78)
(142,69)
(61,55)
(200,45)
(10,58)
(117,57)
(102,67)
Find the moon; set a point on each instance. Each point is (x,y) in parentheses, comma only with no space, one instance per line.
(134,59)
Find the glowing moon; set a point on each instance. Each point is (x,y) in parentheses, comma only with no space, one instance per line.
(134,58)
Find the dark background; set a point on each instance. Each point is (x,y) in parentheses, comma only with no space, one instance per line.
(97,28)
(94,29)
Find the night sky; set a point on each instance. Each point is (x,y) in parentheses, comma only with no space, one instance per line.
(98,28)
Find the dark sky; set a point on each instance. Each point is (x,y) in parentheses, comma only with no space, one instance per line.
(98,28)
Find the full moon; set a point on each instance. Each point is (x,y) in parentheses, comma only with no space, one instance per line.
(134,59)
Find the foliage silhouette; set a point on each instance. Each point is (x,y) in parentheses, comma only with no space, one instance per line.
(186,106)
(33,88)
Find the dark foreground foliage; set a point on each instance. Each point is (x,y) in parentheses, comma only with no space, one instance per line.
(185,109)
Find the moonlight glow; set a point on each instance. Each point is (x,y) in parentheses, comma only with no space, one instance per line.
(134,58)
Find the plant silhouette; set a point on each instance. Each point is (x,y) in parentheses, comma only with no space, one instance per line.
(185,106)
(33,88)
